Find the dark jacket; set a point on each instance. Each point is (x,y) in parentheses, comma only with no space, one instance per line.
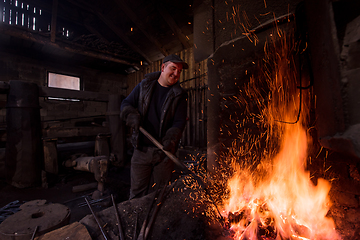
(140,98)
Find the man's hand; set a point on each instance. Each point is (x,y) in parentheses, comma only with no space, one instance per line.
(131,116)
(172,137)
(169,145)
(133,121)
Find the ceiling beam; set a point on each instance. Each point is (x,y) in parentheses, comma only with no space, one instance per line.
(91,29)
(53,20)
(48,7)
(135,19)
(112,26)
(37,37)
(172,24)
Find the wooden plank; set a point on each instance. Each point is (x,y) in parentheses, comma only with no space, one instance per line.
(74,231)
(74,132)
(37,37)
(72,94)
(53,21)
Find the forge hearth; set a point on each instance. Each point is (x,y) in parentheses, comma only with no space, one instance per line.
(184,213)
(327,69)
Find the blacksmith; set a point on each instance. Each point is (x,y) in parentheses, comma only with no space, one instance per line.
(158,104)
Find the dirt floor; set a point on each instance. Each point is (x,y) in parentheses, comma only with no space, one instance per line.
(60,190)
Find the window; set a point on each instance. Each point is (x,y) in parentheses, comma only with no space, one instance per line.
(63,81)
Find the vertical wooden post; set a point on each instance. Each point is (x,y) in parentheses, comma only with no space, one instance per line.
(117,129)
(53,20)
(24,152)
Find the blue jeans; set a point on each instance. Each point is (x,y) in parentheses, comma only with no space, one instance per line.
(149,170)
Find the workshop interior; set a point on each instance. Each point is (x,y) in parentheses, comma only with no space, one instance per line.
(271,145)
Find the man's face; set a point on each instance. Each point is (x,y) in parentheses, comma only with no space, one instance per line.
(170,73)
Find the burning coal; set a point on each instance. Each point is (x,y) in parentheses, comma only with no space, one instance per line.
(270,194)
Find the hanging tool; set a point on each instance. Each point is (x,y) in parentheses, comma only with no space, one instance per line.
(181,165)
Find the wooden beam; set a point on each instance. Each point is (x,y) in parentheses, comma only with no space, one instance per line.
(46,6)
(96,32)
(53,21)
(123,36)
(111,25)
(135,19)
(37,37)
(73,94)
(172,24)
(73,132)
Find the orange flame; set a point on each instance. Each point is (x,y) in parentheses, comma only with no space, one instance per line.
(284,203)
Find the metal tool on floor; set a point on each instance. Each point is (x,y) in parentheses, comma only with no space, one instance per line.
(142,230)
(34,233)
(135,226)
(121,233)
(97,221)
(146,227)
(93,202)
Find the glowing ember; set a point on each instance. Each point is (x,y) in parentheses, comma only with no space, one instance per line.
(285,204)
(279,201)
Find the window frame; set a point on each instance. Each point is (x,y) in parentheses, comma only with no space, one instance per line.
(66,75)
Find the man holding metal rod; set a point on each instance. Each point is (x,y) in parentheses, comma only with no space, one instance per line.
(158,104)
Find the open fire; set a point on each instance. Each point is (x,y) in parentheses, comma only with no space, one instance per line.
(284,205)
(277,199)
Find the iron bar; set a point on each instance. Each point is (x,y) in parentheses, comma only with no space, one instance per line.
(93,201)
(148,227)
(121,233)
(34,233)
(97,221)
(143,227)
(182,165)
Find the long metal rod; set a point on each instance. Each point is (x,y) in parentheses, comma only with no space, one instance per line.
(180,164)
(148,227)
(97,221)
(34,233)
(143,227)
(93,202)
(169,154)
(121,233)
(135,226)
